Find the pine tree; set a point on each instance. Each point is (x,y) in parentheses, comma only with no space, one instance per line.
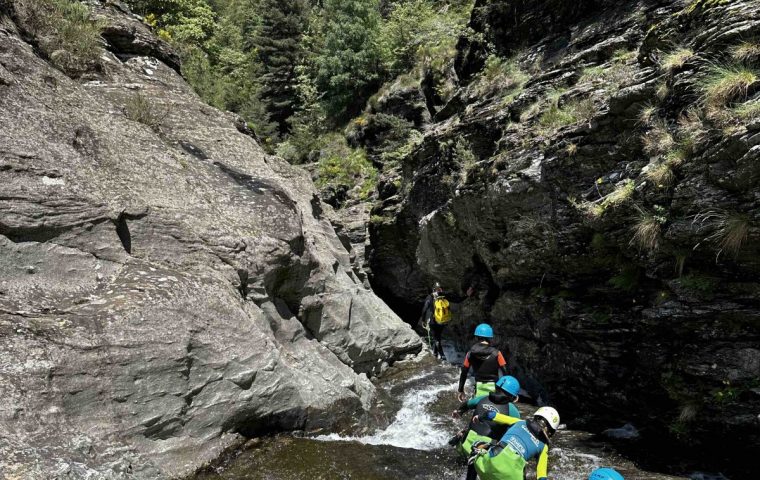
(278,47)
(350,61)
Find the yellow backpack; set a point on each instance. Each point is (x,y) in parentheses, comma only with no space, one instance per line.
(441,311)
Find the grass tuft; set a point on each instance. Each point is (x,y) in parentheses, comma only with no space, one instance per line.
(746,52)
(729,230)
(661,175)
(727,84)
(658,140)
(647,231)
(677,59)
(748,111)
(574,111)
(648,114)
(691,130)
(662,91)
(140,109)
(622,193)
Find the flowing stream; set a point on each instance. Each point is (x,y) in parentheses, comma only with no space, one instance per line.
(412,446)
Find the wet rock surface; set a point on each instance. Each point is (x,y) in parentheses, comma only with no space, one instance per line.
(542,218)
(166,288)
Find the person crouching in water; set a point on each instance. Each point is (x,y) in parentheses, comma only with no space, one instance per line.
(523,441)
(486,361)
(500,401)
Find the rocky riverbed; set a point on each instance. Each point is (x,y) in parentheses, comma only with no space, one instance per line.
(412,446)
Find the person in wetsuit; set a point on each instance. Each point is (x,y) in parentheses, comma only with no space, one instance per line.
(500,401)
(486,361)
(523,441)
(429,323)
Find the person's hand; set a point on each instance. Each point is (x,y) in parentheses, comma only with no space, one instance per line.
(456,414)
(461,396)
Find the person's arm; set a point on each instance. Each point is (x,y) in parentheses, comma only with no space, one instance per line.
(428,307)
(543,463)
(465,371)
(499,418)
(502,365)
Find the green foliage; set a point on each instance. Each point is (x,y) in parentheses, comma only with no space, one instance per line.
(627,279)
(339,164)
(182,21)
(462,154)
(408,26)
(500,75)
(279,49)
(349,61)
(698,6)
(66,34)
(700,284)
(724,84)
(404,151)
(307,124)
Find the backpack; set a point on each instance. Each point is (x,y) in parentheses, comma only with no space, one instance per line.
(441,311)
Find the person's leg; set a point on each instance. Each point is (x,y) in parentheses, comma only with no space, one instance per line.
(471,473)
(438,345)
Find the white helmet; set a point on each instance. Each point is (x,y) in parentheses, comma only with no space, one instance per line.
(550,415)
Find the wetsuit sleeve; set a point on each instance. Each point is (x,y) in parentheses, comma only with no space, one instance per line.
(465,370)
(502,365)
(502,419)
(470,404)
(543,464)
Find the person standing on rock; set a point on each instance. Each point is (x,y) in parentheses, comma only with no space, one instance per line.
(436,314)
(485,360)
(500,401)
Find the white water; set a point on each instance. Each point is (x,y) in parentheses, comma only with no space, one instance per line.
(413,427)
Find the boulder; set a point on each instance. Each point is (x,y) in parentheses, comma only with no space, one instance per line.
(166,288)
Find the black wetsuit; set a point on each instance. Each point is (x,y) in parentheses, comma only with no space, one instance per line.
(435,328)
(487,363)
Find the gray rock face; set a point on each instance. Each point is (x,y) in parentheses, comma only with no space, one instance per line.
(164,288)
(542,220)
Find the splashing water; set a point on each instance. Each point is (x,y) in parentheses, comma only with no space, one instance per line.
(414,426)
(414,445)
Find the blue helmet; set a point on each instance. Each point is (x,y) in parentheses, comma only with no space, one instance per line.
(509,384)
(484,330)
(605,474)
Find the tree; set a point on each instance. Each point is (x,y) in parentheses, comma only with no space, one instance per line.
(349,63)
(278,47)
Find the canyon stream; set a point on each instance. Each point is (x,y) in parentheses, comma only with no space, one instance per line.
(419,396)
